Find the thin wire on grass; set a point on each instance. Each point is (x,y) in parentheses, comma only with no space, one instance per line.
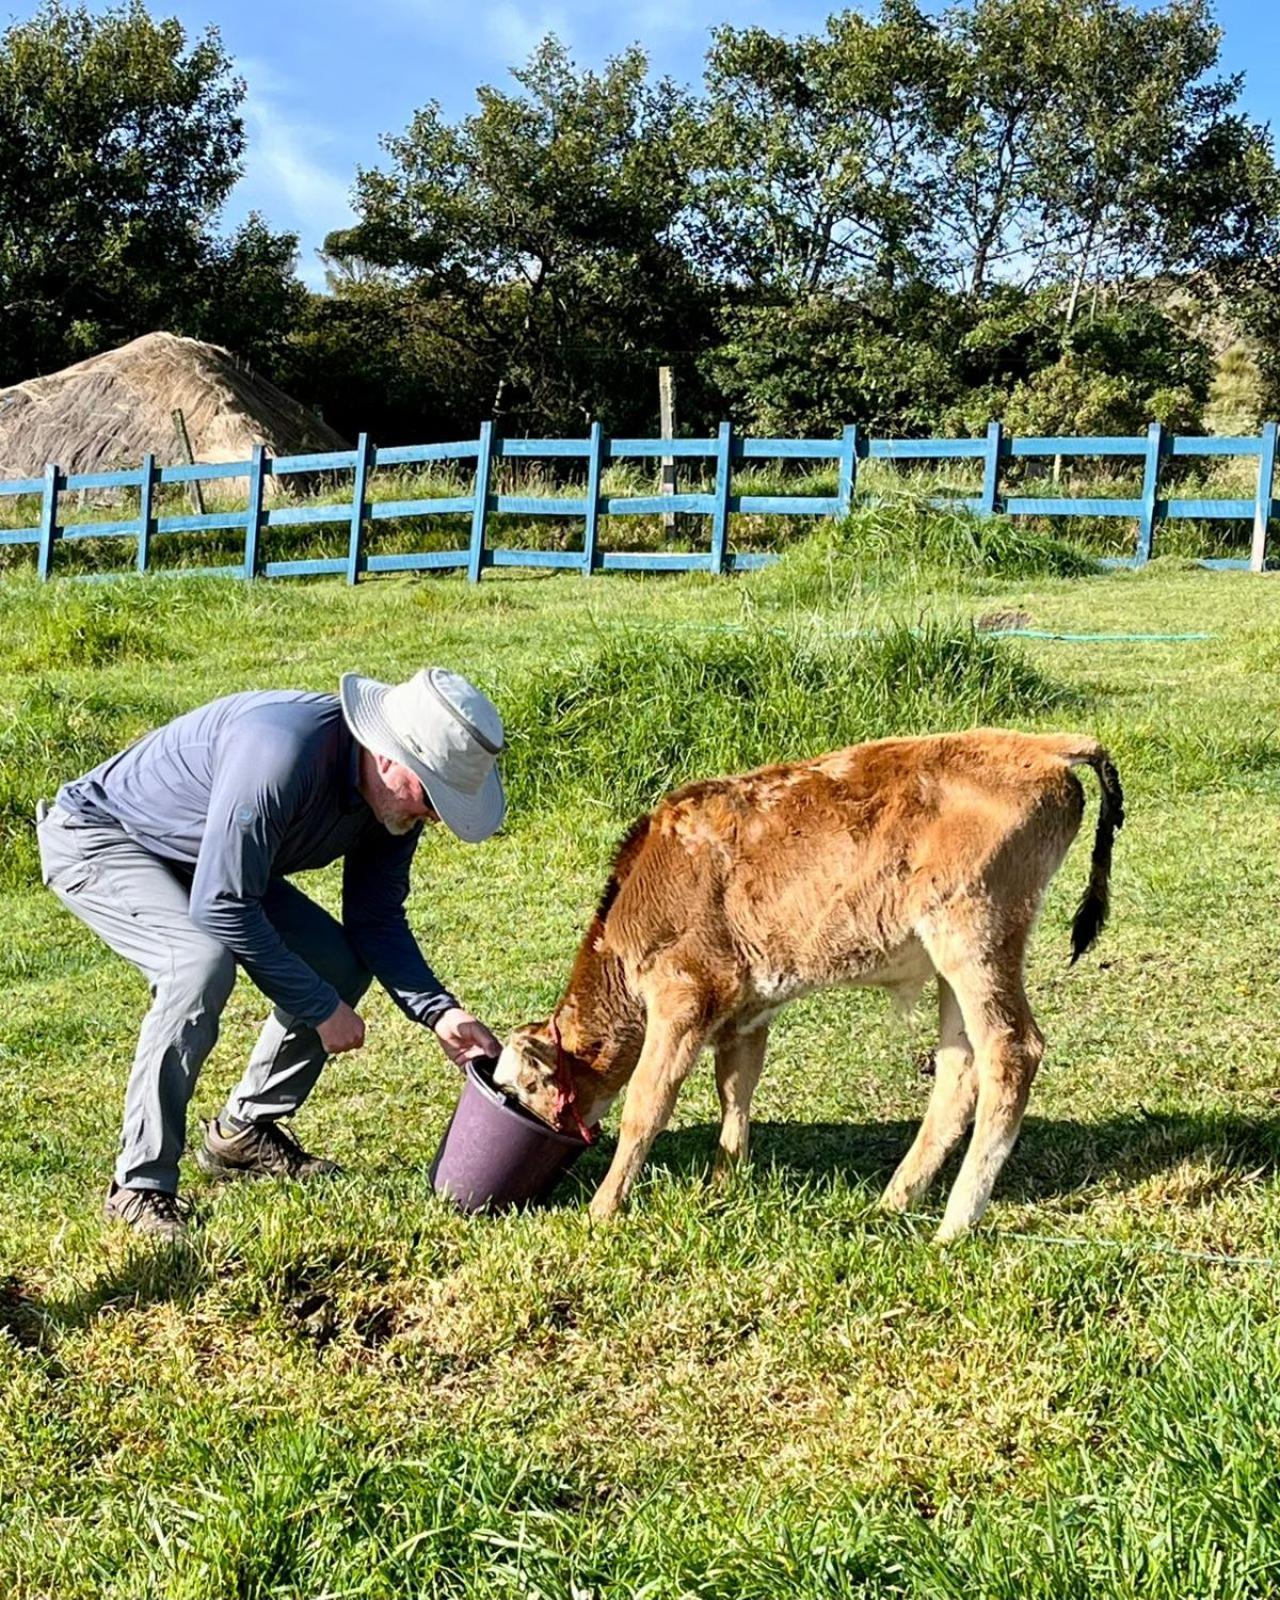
(992,633)
(1124,1246)
(1116,1247)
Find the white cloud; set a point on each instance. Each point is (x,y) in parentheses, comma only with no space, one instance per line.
(496,35)
(287,174)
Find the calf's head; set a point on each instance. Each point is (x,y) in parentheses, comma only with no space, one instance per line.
(526,1070)
(544,1077)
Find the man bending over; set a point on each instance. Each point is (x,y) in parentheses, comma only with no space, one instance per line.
(178,852)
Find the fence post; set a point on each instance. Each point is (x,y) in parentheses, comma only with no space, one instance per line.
(480,510)
(1262,503)
(146,511)
(991,470)
(720,499)
(590,535)
(1149,516)
(848,485)
(359,494)
(48,521)
(667,430)
(195,494)
(253,514)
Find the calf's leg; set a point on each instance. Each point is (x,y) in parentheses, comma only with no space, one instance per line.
(1008,1048)
(739,1062)
(672,1041)
(950,1109)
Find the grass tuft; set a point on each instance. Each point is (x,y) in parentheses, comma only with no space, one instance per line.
(88,626)
(647,711)
(906,544)
(53,734)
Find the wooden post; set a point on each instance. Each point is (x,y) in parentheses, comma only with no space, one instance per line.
(848,483)
(667,430)
(720,512)
(359,507)
(1263,498)
(253,521)
(480,507)
(194,492)
(591,533)
(48,521)
(146,511)
(1149,516)
(991,471)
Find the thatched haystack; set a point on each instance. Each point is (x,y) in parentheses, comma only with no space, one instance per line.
(108,412)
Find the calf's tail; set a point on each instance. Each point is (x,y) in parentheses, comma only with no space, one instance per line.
(1091,913)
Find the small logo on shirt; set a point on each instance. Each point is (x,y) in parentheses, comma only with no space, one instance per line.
(244,816)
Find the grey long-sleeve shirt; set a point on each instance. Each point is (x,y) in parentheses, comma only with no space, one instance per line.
(257,786)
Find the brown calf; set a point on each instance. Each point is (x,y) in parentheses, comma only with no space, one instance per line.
(883,864)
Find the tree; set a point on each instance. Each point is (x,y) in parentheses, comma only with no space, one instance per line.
(1260,324)
(1123,366)
(1154,168)
(809,169)
(120,141)
(1087,141)
(547,225)
(1004,69)
(1022,141)
(881,359)
(386,359)
(1012,165)
(246,296)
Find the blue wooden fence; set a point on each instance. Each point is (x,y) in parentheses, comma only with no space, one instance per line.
(359,514)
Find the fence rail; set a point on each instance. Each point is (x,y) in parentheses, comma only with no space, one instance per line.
(359,513)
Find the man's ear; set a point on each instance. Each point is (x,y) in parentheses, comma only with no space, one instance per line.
(385,764)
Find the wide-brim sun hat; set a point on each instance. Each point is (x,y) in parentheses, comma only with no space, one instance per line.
(445,731)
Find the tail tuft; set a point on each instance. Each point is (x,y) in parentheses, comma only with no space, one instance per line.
(1091,914)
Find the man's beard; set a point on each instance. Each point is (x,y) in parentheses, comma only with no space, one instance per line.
(393,822)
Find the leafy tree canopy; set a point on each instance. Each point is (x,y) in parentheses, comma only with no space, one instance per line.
(120,140)
(549,222)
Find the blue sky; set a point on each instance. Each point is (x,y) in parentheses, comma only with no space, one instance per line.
(327,77)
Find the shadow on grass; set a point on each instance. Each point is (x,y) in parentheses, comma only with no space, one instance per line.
(143,1275)
(1053,1158)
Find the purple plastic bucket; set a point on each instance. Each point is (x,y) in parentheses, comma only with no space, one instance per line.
(494,1153)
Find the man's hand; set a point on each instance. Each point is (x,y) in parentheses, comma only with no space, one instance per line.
(343,1029)
(463,1038)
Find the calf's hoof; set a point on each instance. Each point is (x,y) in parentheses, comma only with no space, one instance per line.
(726,1168)
(604,1208)
(894,1201)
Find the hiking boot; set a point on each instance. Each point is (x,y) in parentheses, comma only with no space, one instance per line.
(151,1211)
(262,1150)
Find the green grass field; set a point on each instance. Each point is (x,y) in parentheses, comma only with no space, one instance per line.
(754,1391)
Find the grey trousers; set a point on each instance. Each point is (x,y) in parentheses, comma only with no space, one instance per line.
(139,905)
